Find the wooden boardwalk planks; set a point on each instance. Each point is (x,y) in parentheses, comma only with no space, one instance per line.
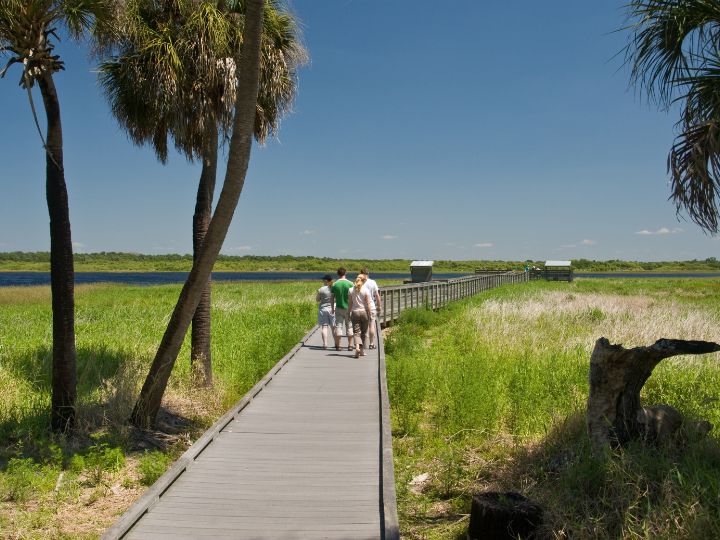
(304,459)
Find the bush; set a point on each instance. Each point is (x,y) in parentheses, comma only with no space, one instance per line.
(152,466)
(24,477)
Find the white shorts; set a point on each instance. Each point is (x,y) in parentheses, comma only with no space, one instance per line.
(325,317)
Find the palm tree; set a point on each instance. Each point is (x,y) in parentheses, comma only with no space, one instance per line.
(248,74)
(28,36)
(194,44)
(674,55)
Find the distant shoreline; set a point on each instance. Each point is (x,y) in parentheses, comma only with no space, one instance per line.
(37,278)
(134,262)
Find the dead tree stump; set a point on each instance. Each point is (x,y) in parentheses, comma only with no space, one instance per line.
(498,516)
(615,415)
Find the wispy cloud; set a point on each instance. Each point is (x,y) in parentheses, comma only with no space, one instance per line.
(484,245)
(239,249)
(568,246)
(78,246)
(307,232)
(660,232)
(588,242)
(389,237)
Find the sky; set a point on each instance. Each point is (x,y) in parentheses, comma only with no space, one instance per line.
(421,130)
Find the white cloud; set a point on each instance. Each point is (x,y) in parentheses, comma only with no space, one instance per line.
(568,246)
(484,245)
(239,249)
(389,237)
(307,232)
(660,232)
(587,242)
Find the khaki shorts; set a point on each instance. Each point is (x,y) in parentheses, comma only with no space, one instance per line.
(342,320)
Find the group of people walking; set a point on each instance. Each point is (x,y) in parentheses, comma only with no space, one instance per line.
(349,308)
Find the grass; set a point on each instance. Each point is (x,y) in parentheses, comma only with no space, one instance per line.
(60,488)
(489,394)
(486,394)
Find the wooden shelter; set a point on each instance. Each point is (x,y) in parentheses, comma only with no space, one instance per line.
(558,271)
(421,271)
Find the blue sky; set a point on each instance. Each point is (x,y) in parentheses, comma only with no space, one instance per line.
(453,130)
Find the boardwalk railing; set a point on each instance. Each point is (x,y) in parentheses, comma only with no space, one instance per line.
(435,294)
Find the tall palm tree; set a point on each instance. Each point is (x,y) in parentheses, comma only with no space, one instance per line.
(674,54)
(28,36)
(248,74)
(194,44)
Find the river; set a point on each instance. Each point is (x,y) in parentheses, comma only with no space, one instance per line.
(12,279)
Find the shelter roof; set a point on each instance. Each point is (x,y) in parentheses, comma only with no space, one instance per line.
(558,263)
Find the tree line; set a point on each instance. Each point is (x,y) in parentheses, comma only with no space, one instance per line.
(120,261)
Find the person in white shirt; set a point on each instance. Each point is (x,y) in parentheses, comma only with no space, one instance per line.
(375,307)
(359,308)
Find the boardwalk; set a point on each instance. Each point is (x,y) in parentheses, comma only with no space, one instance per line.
(305,454)
(304,459)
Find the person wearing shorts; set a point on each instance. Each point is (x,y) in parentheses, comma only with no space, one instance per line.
(375,307)
(359,306)
(343,323)
(325,308)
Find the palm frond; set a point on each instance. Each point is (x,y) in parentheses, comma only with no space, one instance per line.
(668,39)
(694,160)
(694,166)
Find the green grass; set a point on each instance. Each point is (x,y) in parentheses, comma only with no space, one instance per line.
(486,394)
(490,394)
(98,473)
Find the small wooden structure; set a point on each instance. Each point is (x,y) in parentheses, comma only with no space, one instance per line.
(558,271)
(421,271)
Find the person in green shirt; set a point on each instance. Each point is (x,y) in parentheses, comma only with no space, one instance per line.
(339,292)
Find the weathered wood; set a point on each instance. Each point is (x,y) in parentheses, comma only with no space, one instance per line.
(303,460)
(391,527)
(614,412)
(435,294)
(503,515)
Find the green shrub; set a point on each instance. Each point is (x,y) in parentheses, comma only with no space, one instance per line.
(100,460)
(152,466)
(24,477)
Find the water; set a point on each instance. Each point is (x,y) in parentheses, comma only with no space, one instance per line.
(11,279)
(648,275)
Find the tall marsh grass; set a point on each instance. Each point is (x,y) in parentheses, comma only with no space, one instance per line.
(490,394)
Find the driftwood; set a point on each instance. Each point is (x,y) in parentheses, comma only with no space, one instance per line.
(615,415)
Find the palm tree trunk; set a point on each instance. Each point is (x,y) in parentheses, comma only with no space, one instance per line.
(148,405)
(62,273)
(200,359)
